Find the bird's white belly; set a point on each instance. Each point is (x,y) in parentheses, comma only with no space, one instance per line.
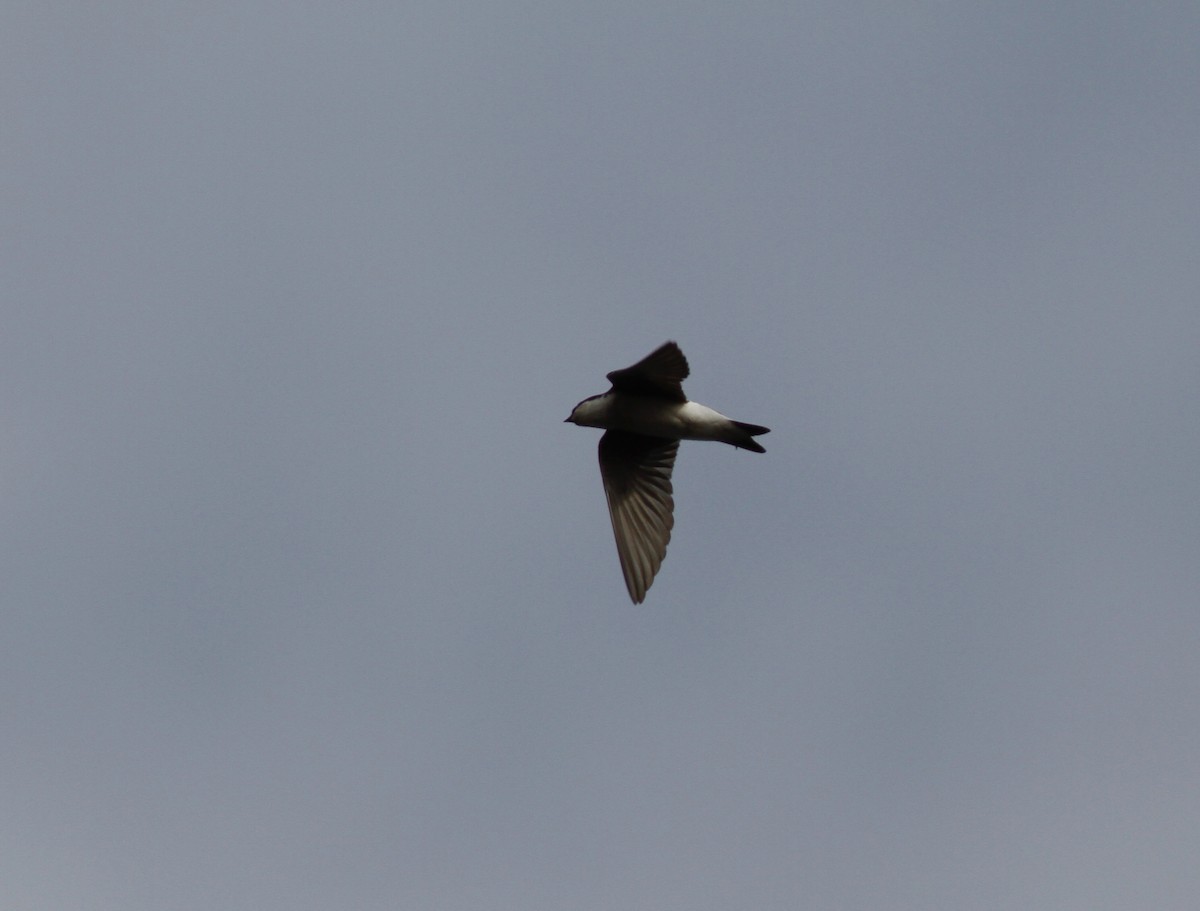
(700,422)
(682,421)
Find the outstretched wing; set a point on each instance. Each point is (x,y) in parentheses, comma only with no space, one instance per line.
(659,374)
(636,471)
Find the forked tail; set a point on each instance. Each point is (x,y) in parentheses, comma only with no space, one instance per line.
(748,441)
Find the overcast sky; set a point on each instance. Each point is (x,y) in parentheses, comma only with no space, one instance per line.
(310,599)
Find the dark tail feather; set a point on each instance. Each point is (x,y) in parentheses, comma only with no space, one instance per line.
(751,430)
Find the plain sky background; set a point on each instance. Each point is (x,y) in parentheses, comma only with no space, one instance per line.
(309,600)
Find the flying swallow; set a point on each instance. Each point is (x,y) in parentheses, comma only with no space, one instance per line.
(644,415)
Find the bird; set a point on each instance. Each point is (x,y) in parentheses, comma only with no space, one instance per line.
(644,416)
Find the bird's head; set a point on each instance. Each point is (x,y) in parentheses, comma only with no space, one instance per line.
(590,412)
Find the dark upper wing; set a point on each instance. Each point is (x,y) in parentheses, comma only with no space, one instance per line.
(636,471)
(660,374)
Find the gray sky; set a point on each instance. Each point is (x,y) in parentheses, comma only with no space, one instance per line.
(310,598)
